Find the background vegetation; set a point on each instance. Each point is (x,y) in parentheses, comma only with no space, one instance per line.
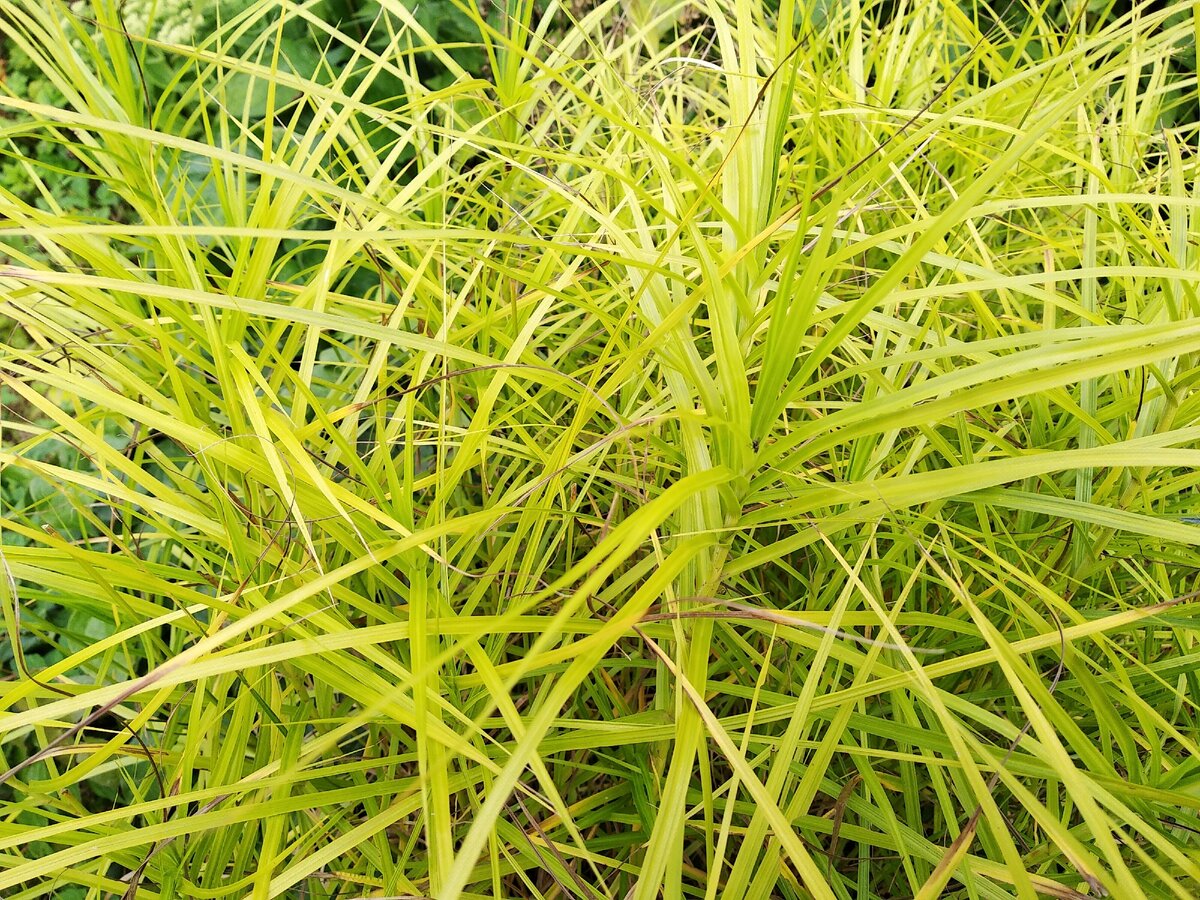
(633,449)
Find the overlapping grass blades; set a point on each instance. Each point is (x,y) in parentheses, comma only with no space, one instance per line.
(721,453)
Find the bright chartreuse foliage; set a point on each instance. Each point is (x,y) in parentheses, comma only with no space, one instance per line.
(717,449)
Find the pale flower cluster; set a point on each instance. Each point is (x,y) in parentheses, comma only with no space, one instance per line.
(166,21)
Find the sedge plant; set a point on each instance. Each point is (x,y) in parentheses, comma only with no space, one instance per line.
(715,449)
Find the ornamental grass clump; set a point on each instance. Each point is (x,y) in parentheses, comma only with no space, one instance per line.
(708,450)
